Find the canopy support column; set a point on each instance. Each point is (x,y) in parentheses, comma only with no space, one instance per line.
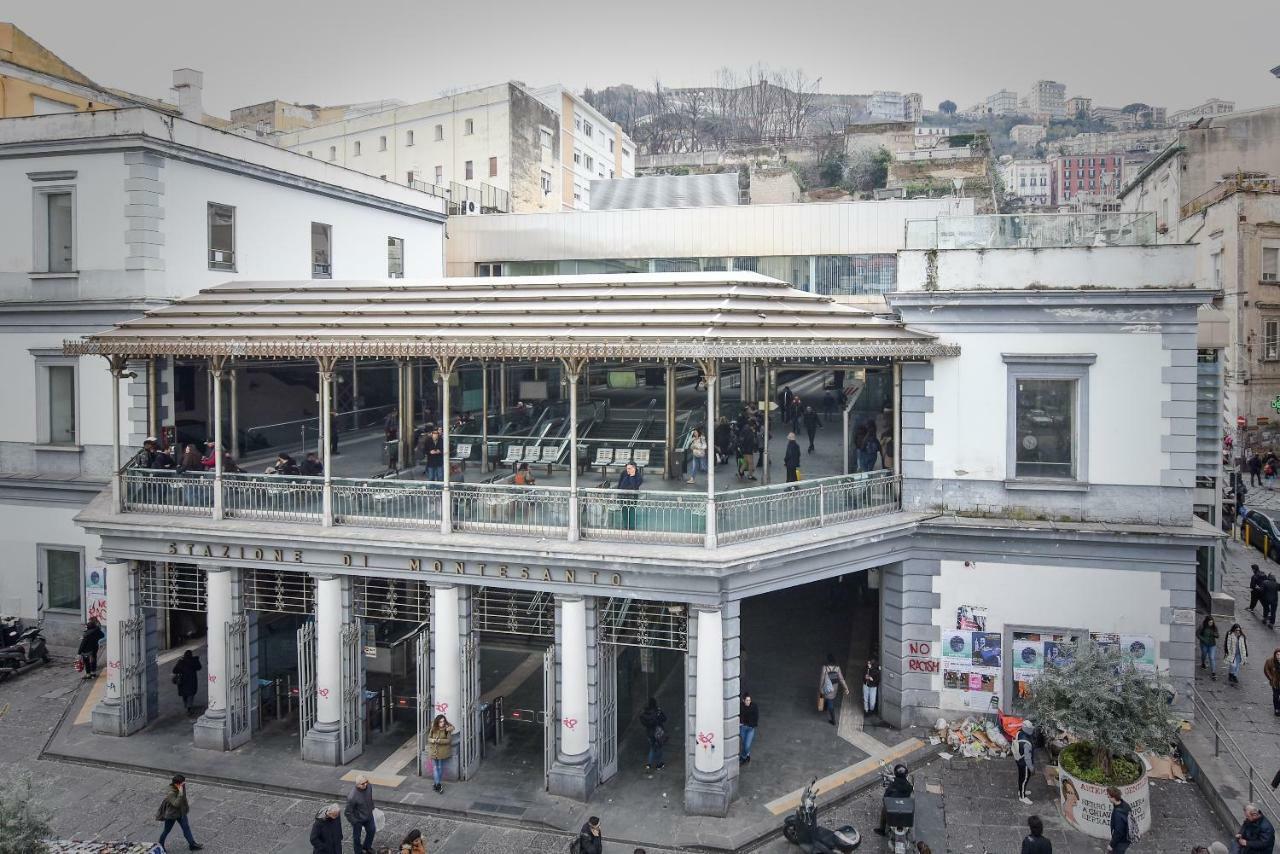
(327,366)
(768,377)
(710,370)
(116,365)
(484,416)
(217,365)
(669,422)
(573,369)
(446,365)
(232,399)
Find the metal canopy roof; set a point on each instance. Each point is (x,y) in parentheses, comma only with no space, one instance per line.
(654,315)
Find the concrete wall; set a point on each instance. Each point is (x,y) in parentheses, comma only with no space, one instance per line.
(1001,269)
(530,117)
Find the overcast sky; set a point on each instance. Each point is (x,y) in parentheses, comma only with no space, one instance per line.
(327,52)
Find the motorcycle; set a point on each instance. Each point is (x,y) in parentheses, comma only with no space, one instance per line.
(801,828)
(23,648)
(900,818)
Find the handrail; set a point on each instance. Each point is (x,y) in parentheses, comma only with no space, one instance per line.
(1222,738)
(316,418)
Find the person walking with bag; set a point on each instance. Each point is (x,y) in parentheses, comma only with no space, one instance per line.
(359,812)
(439,749)
(831,688)
(1237,650)
(1121,812)
(184,676)
(870,686)
(698,452)
(173,810)
(1024,749)
(791,459)
(654,721)
(1208,637)
(88,649)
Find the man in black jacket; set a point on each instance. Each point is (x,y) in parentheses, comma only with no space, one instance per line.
(1255,586)
(791,459)
(810,424)
(748,720)
(1270,594)
(1120,810)
(589,840)
(326,831)
(88,649)
(1256,835)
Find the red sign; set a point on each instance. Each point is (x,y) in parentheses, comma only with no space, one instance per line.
(1241,421)
(920,658)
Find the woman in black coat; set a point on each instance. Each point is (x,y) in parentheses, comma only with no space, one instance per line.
(184,676)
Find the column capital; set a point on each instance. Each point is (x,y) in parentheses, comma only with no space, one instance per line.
(323,576)
(208,567)
(570,597)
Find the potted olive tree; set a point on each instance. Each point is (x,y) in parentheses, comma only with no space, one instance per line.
(1110,709)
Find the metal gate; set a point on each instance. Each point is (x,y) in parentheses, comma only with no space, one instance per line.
(306,679)
(239,720)
(608,710)
(471,727)
(422,647)
(550,718)
(132,668)
(352,718)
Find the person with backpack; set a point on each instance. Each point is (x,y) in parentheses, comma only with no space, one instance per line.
(1124,827)
(1208,637)
(1024,750)
(1237,649)
(1034,842)
(654,721)
(589,840)
(831,688)
(173,810)
(1255,587)
(1256,835)
(87,651)
(1270,595)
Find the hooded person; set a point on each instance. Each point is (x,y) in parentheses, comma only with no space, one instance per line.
(326,831)
(1272,671)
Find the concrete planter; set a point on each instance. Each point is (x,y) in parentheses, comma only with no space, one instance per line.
(1086,807)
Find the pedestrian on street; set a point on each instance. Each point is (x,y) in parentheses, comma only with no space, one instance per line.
(1255,586)
(88,649)
(1024,751)
(1272,671)
(326,831)
(1120,810)
(1270,595)
(698,454)
(1269,473)
(1208,637)
(810,425)
(433,456)
(184,676)
(359,812)
(1034,842)
(654,721)
(791,459)
(439,749)
(589,840)
(870,686)
(832,688)
(1255,470)
(748,720)
(1256,835)
(413,843)
(748,446)
(1237,649)
(173,810)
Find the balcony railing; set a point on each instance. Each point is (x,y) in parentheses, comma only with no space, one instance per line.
(645,516)
(1032,231)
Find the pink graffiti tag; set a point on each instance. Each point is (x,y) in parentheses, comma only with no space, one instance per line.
(114,665)
(569,723)
(707,740)
(323,692)
(213,677)
(442,708)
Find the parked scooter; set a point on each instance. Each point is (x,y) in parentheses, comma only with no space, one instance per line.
(899,809)
(801,828)
(23,648)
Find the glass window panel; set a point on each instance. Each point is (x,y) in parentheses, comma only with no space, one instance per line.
(1045,412)
(321,251)
(746,264)
(676,265)
(395,257)
(221,237)
(715,265)
(62,579)
(59,212)
(62,404)
(1270,263)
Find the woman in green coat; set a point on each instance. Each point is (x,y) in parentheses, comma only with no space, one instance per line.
(439,748)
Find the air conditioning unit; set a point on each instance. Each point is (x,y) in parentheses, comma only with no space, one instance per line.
(470,207)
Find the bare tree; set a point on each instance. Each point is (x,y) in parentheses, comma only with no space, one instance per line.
(693,108)
(759,103)
(726,95)
(796,93)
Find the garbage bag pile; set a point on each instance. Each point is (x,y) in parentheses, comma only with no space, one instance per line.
(972,738)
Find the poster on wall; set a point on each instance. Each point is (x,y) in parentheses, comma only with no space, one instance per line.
(972,618)
(1031,653)
(1141,650)
(971,662)
(95,595)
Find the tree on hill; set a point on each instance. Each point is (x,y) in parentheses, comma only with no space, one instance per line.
(947,108)
(1134,108)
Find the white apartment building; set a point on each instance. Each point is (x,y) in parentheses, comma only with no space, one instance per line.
(1027,180)
(500,148)
(1047,97)
(112,213)
(1027,134)
(1210,108)
(1002,103)
(894,106)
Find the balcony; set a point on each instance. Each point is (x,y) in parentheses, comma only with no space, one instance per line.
(544,512)
(1032,231)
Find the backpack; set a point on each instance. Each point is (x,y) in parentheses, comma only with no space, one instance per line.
(575,847)
(660,734)
(828,687)
(1134,833)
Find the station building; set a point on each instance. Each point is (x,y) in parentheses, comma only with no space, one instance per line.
(1031,482)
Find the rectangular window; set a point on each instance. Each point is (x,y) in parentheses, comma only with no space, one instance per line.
(545,137)
(408,137)
(321,251)
(408,180)
(577,157)
(469,170)
(1216,258)
(62,574)
(586,129)
(611,146)
(222,237)
(439,176)
(1270,340)
(546,183)
(57,418)
(1271,263)
(382,143)
(355,149)
(1048,416)
(439,133)
(395,257)
(588,162)
(468,127)
(493,167)
(333,152)
(626,153)
(55,230)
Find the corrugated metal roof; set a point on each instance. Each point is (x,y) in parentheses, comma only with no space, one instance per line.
(665,191)
(674,315)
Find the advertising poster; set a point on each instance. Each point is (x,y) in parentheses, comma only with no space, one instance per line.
(972,618)
(1031,654)
(957,646)
(1086,806)
(95,595)
(971,662)
(1141,650)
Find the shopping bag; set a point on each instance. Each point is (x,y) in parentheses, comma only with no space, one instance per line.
(798,475)
(822,703)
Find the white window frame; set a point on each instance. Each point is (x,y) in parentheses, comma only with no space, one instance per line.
(493,167)
(40,230)
(544,137)
(439,174)
(469,170)
(355,148)
(439,132)
(468,127)
(45,359)
(393,274)
(1215,269)
(1271,339)
(382,143)
(42,576)
(1262,264)
(546,183)
(408,138)
(222,266)
(333,153)
(1072,367)
(587,129)
(329,234)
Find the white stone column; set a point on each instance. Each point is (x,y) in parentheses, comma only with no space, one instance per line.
(574,373)
(446,502)
(223,606)
(233,400)
(574,774)
(323,742)
(327,364)
(123,604)
(708,788)
(119,609)
(446,696)
(713,381)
